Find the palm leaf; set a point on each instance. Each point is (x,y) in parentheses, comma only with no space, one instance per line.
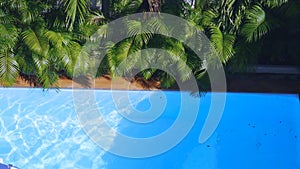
(5,19)
(9,35)
(102,33)
(69,61)
(9,70)
(274,3)
(75,9)
(157,26)
(83,62)
(123,7)
(39,62)
(64,49)
(167,80)
(16,4)
(223,43)
(55,38)
(148,73)
(26,15)
(255,24)
(208,17)
(119,54)
(139,30)
(95,17)
(33,42)
(48,77)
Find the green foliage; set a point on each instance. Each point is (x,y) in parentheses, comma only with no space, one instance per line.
(237,27)
(223,43)
(32,45)
(76,11)
(256,24)
(37,43)
(9,68)
(274,3)
(44,39)
(124,7)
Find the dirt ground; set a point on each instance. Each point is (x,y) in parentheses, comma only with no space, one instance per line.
(259,83)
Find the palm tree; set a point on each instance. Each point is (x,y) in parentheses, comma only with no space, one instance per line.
(8,39)
(142,37)
(43,39)
(35,40)
(234,25)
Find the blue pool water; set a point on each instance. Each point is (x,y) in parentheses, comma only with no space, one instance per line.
(40,129)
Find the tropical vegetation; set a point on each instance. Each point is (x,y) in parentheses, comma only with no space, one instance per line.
(42,40)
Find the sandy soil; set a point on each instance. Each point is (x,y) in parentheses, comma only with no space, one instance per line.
(238,83)
(105,82)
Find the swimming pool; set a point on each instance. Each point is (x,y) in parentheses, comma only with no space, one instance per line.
(41,130)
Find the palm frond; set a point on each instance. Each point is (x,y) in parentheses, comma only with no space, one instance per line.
(82,63)
(223,43)
(26,15)
(34,42)
(55,38)
(17,4)
(74,50)
(167,80)
(122,52)
(64,49)
(123,7)
(39,62)
(256,24)
(148,73)
(157,26)
(102,33)
(95,18)
(274,3)
(140,30)
(9,35)
(208,17)
(9,70)
(75,9)
(5,19)
(48,77)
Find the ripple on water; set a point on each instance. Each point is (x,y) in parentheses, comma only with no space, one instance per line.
(24,122)
(30,136)
(83,161)
(5,147)
(41,130)
(8,121)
